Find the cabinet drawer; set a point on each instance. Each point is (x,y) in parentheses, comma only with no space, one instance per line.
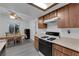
(76,54)
(67,51)
(58,53)
(60,48)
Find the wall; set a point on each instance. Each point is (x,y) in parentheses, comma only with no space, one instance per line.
(34,28)
(74,32)
(52,27)
(5,21)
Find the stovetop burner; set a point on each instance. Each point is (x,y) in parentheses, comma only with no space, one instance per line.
(51,39)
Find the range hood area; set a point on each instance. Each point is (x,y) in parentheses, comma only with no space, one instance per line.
(55,19)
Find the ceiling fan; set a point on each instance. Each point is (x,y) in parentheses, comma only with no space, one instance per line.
(13,15)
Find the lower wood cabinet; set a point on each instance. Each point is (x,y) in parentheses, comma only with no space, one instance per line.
(36,42)
(57,53)
(76,54)
(63,51)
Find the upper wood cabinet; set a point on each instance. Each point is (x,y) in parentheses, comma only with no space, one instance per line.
(50,15)
(47,16)
(53,14)
(41,23)
(74,15)
(64,18)
(69,16)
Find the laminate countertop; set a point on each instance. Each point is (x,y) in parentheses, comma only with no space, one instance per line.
(2,44)
(70,43)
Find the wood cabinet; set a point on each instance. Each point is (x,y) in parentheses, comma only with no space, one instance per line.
(47,16)
(63,51)
(53,14)
(69,16)
(41,23)
(74,15)
(64,18)
(36,42)
(76,54)
(57,53)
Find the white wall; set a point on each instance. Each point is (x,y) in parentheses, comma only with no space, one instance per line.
(52,27)
(32,29)
(5,21)
(63,31)
(74,32)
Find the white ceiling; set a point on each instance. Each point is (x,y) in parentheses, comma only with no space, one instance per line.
(27,9)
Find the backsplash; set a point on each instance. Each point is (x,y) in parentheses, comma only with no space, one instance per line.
(41,32)
(52,26)
(74,32)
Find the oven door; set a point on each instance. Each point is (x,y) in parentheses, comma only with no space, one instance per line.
(45,47)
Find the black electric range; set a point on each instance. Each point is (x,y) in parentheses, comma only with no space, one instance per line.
(45,47)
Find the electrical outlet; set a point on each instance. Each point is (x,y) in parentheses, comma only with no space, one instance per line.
(68,31)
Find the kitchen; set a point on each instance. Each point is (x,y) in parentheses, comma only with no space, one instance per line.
(66,24)
(53,31)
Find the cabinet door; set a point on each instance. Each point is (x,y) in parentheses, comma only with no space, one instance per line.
(53,14)
(58,53)
(64,18)
(41,23)
(76,54)
(68,51)
(58,47)
(74,15)
(47,16)
(36,44)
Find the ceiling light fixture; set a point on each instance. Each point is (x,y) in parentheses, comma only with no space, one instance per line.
(43,5)
(14,16)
